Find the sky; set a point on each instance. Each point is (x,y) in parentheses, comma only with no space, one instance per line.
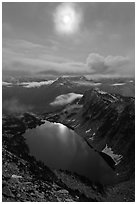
(69,38)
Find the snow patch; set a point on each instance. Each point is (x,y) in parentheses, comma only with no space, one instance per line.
(73,120)
(88,131)
(102,92)
(91,138)
(16,176)
(116,157)
(113,97)
(118,84)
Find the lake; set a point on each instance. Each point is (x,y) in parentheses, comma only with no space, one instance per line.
(61,148)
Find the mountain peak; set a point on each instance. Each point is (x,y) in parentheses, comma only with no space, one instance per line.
(61,81)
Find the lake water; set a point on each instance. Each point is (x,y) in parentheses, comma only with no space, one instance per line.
(61,148)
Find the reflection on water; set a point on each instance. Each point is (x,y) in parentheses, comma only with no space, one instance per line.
(59,147)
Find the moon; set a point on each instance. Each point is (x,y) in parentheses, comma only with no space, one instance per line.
(67,18)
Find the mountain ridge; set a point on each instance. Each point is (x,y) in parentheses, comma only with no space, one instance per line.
(104,119)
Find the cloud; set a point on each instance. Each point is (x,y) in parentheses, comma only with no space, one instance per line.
(18,62)
(110,64)
(24,55)
(13,106)
(7,30)
(35,84)
(34,58)
(116,61)
(65,99)
(96,62)
(4,83)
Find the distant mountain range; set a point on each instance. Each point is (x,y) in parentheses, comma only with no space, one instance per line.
(37,95)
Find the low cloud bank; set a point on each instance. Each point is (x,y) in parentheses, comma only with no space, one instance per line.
(65,99)
(33,84)
(13,106)
(36,84)
(4,83)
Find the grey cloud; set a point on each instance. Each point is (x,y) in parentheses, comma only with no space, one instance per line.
(117,61)
(65,99)
(6,29)
(96,63)
(25,47)
(25,55)
(110,64)
(33,57)
(36,65)
(107,27)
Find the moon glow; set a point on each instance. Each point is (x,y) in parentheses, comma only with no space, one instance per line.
(67,18)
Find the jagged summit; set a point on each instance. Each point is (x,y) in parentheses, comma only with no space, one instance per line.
(67,80)
(97,95)
(62,81)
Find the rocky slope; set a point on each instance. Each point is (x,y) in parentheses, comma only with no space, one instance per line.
(25,179)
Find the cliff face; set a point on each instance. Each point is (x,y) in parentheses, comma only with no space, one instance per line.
(111,120)
(110,117)
(107,121)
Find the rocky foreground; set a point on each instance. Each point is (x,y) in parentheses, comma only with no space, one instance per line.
(25,179)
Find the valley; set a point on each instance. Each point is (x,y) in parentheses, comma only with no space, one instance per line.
(105,122)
